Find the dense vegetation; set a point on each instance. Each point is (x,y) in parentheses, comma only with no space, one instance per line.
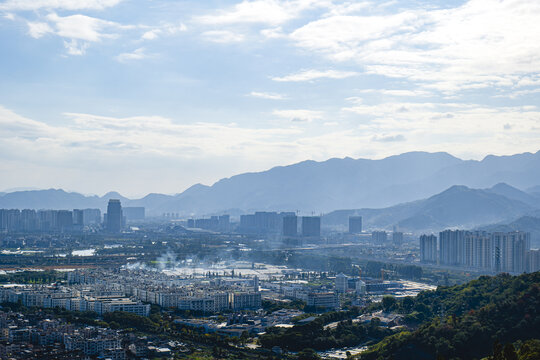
(316,335)
(32,277)
(466,321)
(271,306)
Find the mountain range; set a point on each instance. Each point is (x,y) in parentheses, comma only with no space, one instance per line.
(321,187)
(456,207)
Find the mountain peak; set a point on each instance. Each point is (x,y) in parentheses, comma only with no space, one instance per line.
(113,195)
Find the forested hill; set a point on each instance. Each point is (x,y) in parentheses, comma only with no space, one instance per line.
(468,321)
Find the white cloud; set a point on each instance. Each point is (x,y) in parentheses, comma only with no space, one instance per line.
(448,50)
(264,95)
(58,4)
(388,138)
(139,135)
(395,92)
(273,33)
(273,12)
(349,8)
(82,27)
(222,36)
(137,54)
(151,34)
(166,29)
(136,149)
(38,29)
(299,115)
(308,75)
(76,30)
(75,47)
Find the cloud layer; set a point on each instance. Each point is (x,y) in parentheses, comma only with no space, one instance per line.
(258,83)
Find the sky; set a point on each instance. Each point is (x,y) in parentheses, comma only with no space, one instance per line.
(155,96)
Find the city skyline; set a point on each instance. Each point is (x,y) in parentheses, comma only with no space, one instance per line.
(136,91)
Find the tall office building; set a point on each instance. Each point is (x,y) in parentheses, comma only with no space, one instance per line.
(114,216)
(379,237)
(290,225)
(428,248)
(311,226)
(355,224)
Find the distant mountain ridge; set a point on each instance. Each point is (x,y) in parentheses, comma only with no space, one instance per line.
(458,206)
(321,187)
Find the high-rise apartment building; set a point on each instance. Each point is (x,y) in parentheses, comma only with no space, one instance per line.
(355,224)
(290,225)
(379,237)
(451,247)
(428,248)
(134,213)
(510,251)
(91,216)
(64,220)
(78,218)
(224,223)
(498,252)
(397,238)
(28,221)
(311,226)
(114,217)
(533,261)
(10,219)
(341,283)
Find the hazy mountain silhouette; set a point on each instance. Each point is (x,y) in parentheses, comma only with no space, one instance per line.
(516,194)
(48,199)
(458,206)
(529,224)
(535,190)
(311,186)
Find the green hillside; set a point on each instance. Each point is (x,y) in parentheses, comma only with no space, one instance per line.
(470,321)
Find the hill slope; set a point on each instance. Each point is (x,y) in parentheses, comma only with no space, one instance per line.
(477,315)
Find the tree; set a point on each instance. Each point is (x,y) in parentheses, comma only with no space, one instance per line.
(509,352)
(407,304)
(388,302)
(308,354)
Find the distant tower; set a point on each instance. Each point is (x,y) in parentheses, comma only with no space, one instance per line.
(355,224)
(114,216)
(256,283)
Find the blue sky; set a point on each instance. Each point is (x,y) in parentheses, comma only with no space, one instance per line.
(154,96)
